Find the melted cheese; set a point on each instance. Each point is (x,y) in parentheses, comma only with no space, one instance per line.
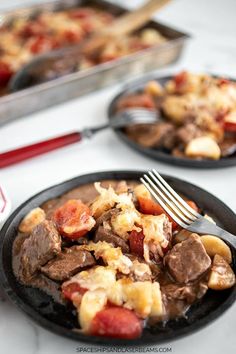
(154,234)
(110,255)
(105,201)
(142,297)
(138,297)
(95,278)
(140,269)
(108,198)
(116,260)
(125,221)
(92,302)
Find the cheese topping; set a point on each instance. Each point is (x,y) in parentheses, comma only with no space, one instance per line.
(154,234)
(142,297)
(95,278)
(92,302)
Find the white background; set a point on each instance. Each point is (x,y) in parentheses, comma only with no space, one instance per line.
(212,48)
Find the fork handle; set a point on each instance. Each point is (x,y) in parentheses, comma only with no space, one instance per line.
(12,157)
(212,229)
(17,155)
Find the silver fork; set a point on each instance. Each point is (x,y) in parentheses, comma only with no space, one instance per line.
(180,211)
(120,120)
(129,116)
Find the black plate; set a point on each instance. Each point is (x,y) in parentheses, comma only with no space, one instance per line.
(50,315)
(156,154)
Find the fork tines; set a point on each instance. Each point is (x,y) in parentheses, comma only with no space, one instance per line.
(171,202)
(140,114)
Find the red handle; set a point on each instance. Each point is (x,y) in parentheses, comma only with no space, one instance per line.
(11,157)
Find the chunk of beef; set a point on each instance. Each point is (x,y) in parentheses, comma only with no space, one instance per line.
(228,146)
(151,135)
(67,263)
(43,244)
(188,260)
(66,243)
(107,216)
(164,134)
(104,234)
(187,132)
(189,292)
(170,140)
(47,285)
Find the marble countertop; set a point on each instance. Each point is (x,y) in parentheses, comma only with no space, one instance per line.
(212,48)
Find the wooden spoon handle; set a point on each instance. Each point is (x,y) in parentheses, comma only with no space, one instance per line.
(124,25)
(132,21)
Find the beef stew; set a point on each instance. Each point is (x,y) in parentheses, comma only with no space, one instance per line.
(23,38)
(198,117)
(141,283)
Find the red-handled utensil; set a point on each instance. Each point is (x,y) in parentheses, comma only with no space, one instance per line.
(11,157)
(122,119)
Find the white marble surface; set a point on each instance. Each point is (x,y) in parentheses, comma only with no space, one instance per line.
(212,48)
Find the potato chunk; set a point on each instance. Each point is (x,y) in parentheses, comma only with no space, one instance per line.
(32,219)
(142,191)
(153,88)
(177,108)
(92,302)
(203,147)
(214,245)
(143,297)
(138,296)
(222,276)
(157,305)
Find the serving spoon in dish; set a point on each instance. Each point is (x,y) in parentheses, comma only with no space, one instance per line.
(58,63)
(122,119)
(184,215)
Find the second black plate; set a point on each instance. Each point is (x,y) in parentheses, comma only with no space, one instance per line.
(59,319)
(157,154)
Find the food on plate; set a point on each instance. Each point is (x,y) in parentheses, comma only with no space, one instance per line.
(38,248)
(67,263)
(105,323)
(221,276)
(23,38)
(214,245)
(182,254)
(154,89)
(198,116)
(204,146)
(73,219)
(32,219)
(117,262)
